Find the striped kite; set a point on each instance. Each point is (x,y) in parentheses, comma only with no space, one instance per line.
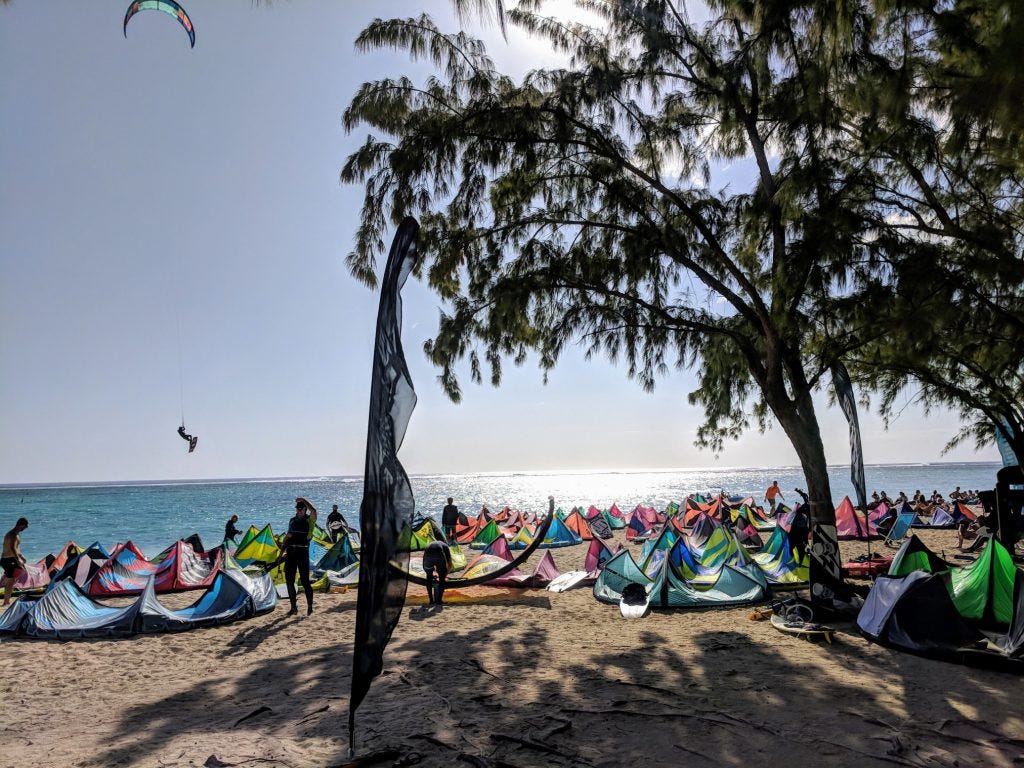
(169,7)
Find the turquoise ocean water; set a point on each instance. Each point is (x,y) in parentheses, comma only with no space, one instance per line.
(153,515)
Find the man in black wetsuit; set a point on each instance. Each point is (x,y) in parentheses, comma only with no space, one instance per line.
(335,523)
(449,519)
(800,531)
(229,529)
(437,558)
(192,441)
(297,553)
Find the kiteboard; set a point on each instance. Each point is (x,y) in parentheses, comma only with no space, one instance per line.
(567,581)
(634,602)
(804,629)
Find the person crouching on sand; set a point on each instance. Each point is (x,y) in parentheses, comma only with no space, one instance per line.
(437,557)
(12,560)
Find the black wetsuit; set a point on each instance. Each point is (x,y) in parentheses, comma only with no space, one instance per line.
(436,558)
(449,519)
(799,530)
(297,559)
(230,531)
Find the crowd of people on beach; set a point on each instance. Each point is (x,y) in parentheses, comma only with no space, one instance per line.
(924,505)
(437,559)
(975,531)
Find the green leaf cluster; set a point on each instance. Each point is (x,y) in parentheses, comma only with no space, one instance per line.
(575,205)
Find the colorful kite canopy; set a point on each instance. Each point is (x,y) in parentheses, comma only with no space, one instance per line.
(169,7)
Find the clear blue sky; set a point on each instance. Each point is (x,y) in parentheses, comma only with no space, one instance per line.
(165,209)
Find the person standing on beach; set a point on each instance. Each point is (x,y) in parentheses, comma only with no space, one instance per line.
(229,529)
(437,558)
(799,533)
(296,558)
(12,560)
(335,523)
(449,519)
(773,492)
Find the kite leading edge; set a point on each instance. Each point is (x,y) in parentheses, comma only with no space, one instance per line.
(170,7)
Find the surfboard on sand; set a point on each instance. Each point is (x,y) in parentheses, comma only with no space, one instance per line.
(566,581)
(804,629)
(634,602)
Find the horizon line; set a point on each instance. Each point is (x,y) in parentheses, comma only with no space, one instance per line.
(482,473)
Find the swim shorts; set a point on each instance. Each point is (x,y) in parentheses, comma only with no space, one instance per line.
(10,566)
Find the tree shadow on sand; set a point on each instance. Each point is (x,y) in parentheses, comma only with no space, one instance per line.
(674,689)
(250,637)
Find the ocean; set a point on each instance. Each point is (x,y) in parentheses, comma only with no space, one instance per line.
(154,514)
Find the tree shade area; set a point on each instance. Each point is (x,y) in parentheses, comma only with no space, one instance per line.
(577,205)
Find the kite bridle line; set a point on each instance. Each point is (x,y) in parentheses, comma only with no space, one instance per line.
(181,374)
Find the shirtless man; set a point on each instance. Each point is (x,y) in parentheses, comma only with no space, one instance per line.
(921,504)
(773,493)
(12,559)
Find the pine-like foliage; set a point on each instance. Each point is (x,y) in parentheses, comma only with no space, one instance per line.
(576,205)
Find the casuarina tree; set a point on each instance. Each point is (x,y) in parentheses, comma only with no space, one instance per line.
(939,308)
(578,205)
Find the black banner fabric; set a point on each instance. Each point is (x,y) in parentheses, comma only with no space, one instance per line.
(388,504)
(844,394)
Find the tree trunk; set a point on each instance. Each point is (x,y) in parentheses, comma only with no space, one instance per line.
(800,424)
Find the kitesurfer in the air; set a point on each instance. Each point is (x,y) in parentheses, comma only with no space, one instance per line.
(192,441)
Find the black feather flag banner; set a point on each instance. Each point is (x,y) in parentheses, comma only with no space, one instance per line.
(388,504)
(844,394)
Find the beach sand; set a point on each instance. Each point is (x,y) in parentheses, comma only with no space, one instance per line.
(514,678)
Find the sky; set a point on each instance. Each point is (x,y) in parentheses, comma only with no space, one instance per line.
(172,242)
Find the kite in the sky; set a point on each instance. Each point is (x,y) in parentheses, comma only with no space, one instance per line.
(192,441)
(169,7)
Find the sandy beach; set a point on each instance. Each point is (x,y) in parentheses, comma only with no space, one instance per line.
(504,677)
